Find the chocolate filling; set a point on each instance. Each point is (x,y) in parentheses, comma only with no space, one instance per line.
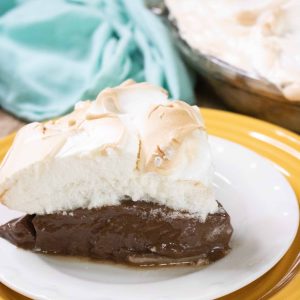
(139,233)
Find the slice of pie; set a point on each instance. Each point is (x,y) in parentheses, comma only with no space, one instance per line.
(125,178)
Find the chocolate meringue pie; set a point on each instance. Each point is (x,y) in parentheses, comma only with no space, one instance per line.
(124,178)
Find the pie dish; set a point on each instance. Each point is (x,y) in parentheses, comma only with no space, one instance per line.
(125,178)
(242,91)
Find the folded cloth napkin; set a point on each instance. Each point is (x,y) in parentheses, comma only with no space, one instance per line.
(54,53)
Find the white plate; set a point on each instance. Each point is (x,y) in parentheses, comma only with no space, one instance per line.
(264,213)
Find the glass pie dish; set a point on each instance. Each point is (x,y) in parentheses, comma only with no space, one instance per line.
(240,90)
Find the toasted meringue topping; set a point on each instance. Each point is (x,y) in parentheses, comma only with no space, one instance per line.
(260,37)
(163,131)
(130,141)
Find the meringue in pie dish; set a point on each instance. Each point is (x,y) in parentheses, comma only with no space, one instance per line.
(125,178)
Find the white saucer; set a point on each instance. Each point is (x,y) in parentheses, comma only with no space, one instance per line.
(265,217)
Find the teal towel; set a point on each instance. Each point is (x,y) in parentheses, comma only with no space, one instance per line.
(54,53)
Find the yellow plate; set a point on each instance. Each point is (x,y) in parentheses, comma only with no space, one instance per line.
(275,143)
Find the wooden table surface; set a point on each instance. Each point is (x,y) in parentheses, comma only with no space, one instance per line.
(205,98)
(8,123)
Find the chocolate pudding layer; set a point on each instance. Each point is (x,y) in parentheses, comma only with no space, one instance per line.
(139,233)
